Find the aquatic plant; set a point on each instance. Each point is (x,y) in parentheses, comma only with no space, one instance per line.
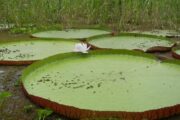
(28,108)
(176,52)
(81,47)
(80,34)
(105,83)
(43,113)
(25,52)
(133,41)
(3,96)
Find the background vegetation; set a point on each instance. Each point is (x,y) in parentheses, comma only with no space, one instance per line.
(116,14)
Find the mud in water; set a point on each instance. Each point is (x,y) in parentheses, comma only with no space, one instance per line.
(5,35)
(14,107)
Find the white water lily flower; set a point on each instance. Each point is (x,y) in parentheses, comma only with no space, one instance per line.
(81,47)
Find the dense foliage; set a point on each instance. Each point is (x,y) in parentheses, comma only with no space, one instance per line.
(117,14)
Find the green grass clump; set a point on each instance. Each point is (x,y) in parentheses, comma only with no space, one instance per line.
(43,113)
(3,96)
(117,14)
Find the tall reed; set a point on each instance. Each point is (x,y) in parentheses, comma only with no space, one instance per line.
(118,14)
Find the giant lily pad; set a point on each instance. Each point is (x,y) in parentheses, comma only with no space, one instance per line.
(106,83)
(71,34)
(163,33)
(133,41)
(24,52)
(176,52)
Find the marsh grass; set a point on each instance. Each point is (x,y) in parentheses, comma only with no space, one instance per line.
(43,113)
(116,14)
(3,96)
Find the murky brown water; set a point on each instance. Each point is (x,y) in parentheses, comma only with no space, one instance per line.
(5,35)
(13,107)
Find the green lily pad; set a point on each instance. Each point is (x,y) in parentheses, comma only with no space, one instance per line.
(71,34)
(176,52)
(32,50)
(163,33)
(132,41)
(106,83)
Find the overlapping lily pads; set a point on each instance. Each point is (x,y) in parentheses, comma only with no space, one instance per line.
(27,51)
(71,34)
(107,83)
(133,41)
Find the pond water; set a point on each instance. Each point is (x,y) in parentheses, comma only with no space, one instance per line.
(14,107)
